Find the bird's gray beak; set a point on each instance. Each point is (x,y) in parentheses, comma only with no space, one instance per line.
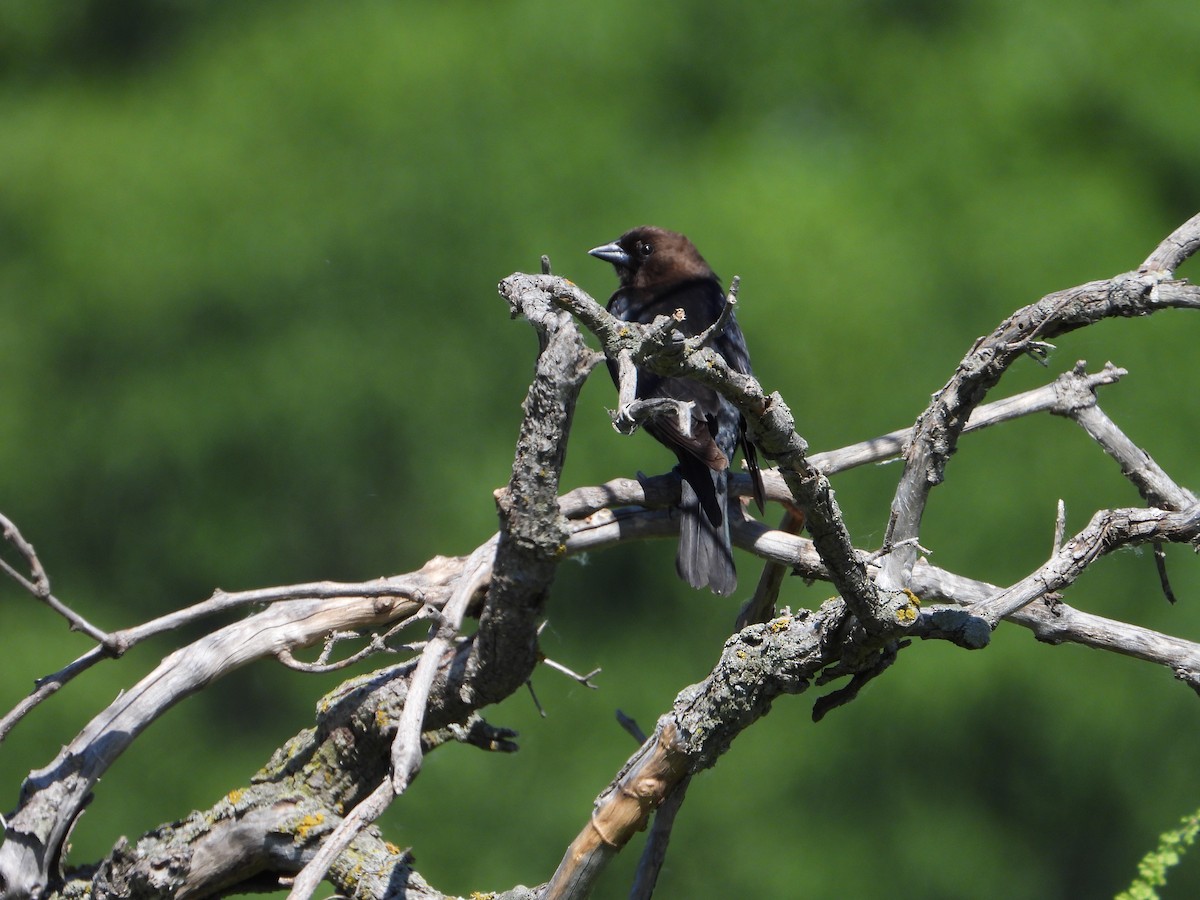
(611,253)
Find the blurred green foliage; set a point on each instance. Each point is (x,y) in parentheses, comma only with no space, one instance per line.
(1157,864)
(250,337)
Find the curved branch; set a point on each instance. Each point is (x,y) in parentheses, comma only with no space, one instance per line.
(935,435)
(54,796)
(1175,248)
(425,586)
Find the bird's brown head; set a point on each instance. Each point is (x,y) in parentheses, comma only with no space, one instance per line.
(649,257)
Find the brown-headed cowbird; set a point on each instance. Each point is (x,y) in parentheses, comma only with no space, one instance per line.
(661,271)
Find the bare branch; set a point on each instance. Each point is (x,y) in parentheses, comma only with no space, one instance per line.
(56,793)
(1160,565)
(429,583)
(376,644)
(718,327)
(426,585)
(47,686)
(936,432)
(585,680)
(1108,530)
(628,417)
(1175,248)
(39,586)
(1060,526)
(1155,485)
(761,606)
(406,750)
(630,725)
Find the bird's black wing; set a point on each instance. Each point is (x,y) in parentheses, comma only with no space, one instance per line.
(714,430)
(702,302)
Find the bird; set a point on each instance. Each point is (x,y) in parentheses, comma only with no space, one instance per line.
(659,272)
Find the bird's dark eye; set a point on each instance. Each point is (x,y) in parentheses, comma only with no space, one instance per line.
(644,249)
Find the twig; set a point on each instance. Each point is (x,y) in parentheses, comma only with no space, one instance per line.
(585,680)
(424,586)
(1160,564)
(39,586)
(718,327)
(888,548)
(888,446)
(41,581)
(629,416)
(630,725)
(47,686)
(534,697)
(858,680)
(1061,623)
(626,391)
(377,644)
(372,806)
(1060,526)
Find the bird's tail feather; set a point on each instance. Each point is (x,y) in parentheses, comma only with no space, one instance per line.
(705,557)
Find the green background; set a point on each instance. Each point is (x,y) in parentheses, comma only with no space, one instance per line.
(250,336)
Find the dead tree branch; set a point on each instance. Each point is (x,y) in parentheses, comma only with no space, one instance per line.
(307,816)
(1138,293)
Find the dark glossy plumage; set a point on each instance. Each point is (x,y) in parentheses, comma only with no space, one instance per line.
(661,271)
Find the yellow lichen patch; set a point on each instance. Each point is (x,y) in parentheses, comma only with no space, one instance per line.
(479,895)
(907,614)
(307,824)
(392,848)
(780,624)
(381,718)
(235,795)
